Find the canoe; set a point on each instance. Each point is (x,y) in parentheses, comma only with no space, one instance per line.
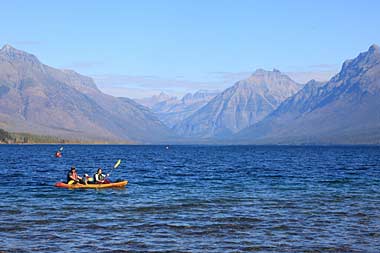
(91,186)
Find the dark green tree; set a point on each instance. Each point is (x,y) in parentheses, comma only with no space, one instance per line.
(4,136)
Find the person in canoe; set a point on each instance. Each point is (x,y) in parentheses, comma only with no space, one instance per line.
(73,178)
(58,154)
(100,178)
(88,179)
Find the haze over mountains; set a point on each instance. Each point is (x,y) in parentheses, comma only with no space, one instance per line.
(152,101)
(266,108)
(345,110)
(172,110)
(240,106)
(39,99)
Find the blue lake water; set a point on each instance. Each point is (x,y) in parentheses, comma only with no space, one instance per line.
(192,199)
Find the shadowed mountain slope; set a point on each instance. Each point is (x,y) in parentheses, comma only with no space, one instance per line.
(240,106)
(39,99)
(345,110)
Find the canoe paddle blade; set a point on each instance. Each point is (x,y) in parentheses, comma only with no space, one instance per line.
(117,164)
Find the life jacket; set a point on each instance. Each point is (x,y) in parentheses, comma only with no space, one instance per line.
(72,174)
(100,177)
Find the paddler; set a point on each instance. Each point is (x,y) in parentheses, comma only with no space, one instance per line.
(100,178)
(58,154)
(73,178)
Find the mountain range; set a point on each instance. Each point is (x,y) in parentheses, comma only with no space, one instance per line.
(344,110)
(171,110)
(266,108)
(152,101)
(39,99)
(243,104)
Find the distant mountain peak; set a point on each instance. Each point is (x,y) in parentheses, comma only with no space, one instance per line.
(342,110)
(265,72)
(373,53)
(265,79)
(245,103)
(40,99)
(313,82)
(12,53)
(374,48)
(204,91)
(199,95)
(163,95)
(361,63)
(7,47)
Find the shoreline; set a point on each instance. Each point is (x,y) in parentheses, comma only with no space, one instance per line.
(199,145)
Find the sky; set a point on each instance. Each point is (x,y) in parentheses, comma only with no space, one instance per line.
(139,48)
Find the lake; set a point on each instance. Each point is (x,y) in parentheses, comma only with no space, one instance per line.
(192,199)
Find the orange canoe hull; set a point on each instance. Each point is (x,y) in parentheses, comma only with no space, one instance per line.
(91,186)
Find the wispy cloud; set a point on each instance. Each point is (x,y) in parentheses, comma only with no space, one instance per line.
(137,86)
(229,77)
(305,76)
(83,65)
(319,72)
(137,92)
(298,76)
(147,81)
(133,85)
(324,66)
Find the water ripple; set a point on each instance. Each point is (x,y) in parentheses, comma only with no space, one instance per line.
(193,199)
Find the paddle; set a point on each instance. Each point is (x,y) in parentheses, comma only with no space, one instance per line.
(108,174)
(115,166)
(59,152)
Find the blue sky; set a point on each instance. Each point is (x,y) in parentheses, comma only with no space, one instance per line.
(136,48)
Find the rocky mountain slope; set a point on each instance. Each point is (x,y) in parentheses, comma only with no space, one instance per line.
(150,102)
(172,110)
(240,106)
(39,99)
(344,110)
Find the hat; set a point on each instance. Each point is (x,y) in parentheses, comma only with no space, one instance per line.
(72,167)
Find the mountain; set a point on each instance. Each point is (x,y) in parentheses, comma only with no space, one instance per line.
(150,102)
(172,110)
(39,99)
(345,110)
(172,113)
(239,106)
